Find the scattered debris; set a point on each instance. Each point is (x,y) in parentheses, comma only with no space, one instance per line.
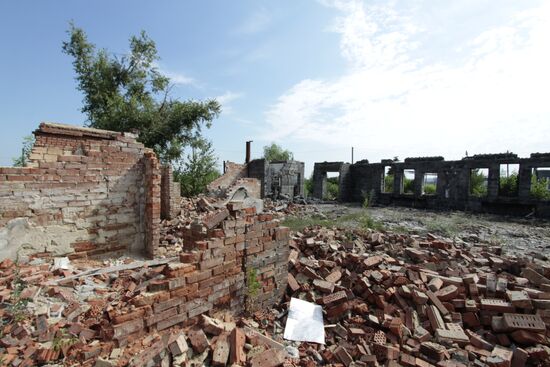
(373,298)
(418,301)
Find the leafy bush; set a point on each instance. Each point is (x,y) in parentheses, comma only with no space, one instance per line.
(388,183)
(332,189)
(508,186)
(308,186)
(478,183)
(539,188)
(367,222)
(368,199)
(429,189)
(252,283)
(408,186)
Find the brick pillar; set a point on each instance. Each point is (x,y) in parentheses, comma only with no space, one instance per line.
(170,194)
(397,180)
(319,183)
(493,181)
(152,203)
(524,184)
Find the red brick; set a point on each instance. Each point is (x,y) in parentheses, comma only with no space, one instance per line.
(198,340)
(268,358)
(237,340)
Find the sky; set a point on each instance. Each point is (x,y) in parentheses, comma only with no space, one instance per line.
(390,78)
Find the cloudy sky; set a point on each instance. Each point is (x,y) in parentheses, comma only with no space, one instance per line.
(390,78)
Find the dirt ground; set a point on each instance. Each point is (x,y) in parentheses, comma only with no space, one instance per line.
(517,236)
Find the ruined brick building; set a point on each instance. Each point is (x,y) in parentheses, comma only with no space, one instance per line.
(451,183)
(262,178)
(92,194)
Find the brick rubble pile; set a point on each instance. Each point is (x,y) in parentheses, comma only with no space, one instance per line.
(388,300)
(391,299)
(133,313)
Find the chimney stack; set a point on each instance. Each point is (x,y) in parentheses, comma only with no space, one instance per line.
(247,158)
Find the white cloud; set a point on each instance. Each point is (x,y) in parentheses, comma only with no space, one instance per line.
(226,99)
(177,78)
(400,97)
(257,22)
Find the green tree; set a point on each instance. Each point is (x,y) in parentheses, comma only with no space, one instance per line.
(129,93)
(508,186)
(275,152)
(408,185)
(198,170)
(429,189)
(308,186)
(21,161)
(331,189)
(388,183)
(540,188)
(478,183)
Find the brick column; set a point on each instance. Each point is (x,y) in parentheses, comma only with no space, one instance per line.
(170,194)
(152,203)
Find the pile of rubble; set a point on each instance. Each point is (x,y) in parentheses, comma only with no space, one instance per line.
(194,209)
(402,300)
(79,315)
(387,299)
(142,313)
(283,208)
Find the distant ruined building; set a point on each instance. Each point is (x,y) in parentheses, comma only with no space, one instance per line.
(478,183)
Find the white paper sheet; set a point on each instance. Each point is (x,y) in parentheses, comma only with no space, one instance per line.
(304,322)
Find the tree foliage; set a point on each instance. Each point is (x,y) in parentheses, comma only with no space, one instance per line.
(198,170)
(21,161)
(540,188)
(508,186)
(408,185)
(129,93)
(388,183)
(275,152)
(308,186)
(429,189)
(478,183)
(331,189)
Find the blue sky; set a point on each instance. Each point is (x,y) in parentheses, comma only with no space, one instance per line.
(391,78)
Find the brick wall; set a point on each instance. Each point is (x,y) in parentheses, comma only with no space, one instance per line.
(84,193)
(453,185)
(232,258)
(170,194)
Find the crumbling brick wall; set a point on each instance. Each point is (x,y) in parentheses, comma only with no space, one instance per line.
(85,192)
(233,259)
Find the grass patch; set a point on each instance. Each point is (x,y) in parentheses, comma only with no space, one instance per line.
(446,226)
(359,220)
